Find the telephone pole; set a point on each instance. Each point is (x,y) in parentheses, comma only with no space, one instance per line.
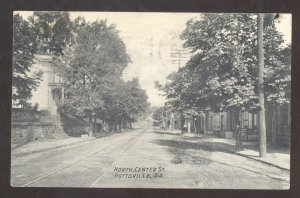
(179,57)
(261,95)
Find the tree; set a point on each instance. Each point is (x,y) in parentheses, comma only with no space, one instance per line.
(52,31)
(158,116)
(181,92)
(124,103)
(24,47)
(97,59)
(222,73)
(225,59)
(136,101)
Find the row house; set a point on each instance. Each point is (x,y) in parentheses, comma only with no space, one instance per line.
(278,124)
(223,124)
(171,120)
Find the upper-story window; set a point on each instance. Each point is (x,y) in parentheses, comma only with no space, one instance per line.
(56,77)
(53,77)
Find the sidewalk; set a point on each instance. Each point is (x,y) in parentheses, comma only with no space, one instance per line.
(48,144)
(275,158)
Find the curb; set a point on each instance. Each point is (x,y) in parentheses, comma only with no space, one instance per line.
(59,146)
(262,161)
(49,148)
(259,160)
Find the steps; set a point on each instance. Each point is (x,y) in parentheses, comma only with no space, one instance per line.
(59,132)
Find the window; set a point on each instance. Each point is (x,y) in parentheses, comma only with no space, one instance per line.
(245,119)
(53,77)
(255,120)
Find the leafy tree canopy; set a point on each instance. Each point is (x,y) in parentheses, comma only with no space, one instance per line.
(52,31)
(24,47)
(157,116)
(95,64)
(222,73)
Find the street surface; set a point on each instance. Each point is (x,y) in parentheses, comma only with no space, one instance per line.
(146,158)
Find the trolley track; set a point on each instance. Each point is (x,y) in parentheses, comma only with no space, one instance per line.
(95,167)
(130,141)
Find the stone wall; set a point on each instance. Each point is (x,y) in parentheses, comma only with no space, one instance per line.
(22,132)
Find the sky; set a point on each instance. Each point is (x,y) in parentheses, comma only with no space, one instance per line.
(149,38)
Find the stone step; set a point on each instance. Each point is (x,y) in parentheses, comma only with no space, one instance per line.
(59,132)
(60,135)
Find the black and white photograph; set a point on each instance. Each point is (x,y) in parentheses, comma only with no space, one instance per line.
(156,100)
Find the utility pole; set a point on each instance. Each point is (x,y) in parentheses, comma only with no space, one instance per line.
(179,57)
(261,95)
(162,114)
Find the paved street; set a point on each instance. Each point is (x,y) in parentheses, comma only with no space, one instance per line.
(145,158)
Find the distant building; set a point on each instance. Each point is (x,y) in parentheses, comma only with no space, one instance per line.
(171,120)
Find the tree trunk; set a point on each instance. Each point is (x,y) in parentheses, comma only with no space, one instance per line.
(237,127)
(189,125)
(261,96)
(172,122)
(95,124)
(195,124)
(118,125)
(181,122)
(91,125)
(123,124)
(116,129)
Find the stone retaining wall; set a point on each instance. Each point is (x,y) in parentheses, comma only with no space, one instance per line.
(27,131)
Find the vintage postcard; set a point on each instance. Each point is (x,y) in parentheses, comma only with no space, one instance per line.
(151,100)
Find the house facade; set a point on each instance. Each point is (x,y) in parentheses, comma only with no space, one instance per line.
(171,120)
(50,92)
(224,124)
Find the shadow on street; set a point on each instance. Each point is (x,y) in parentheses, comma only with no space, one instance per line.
(205,146)
(166,133)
